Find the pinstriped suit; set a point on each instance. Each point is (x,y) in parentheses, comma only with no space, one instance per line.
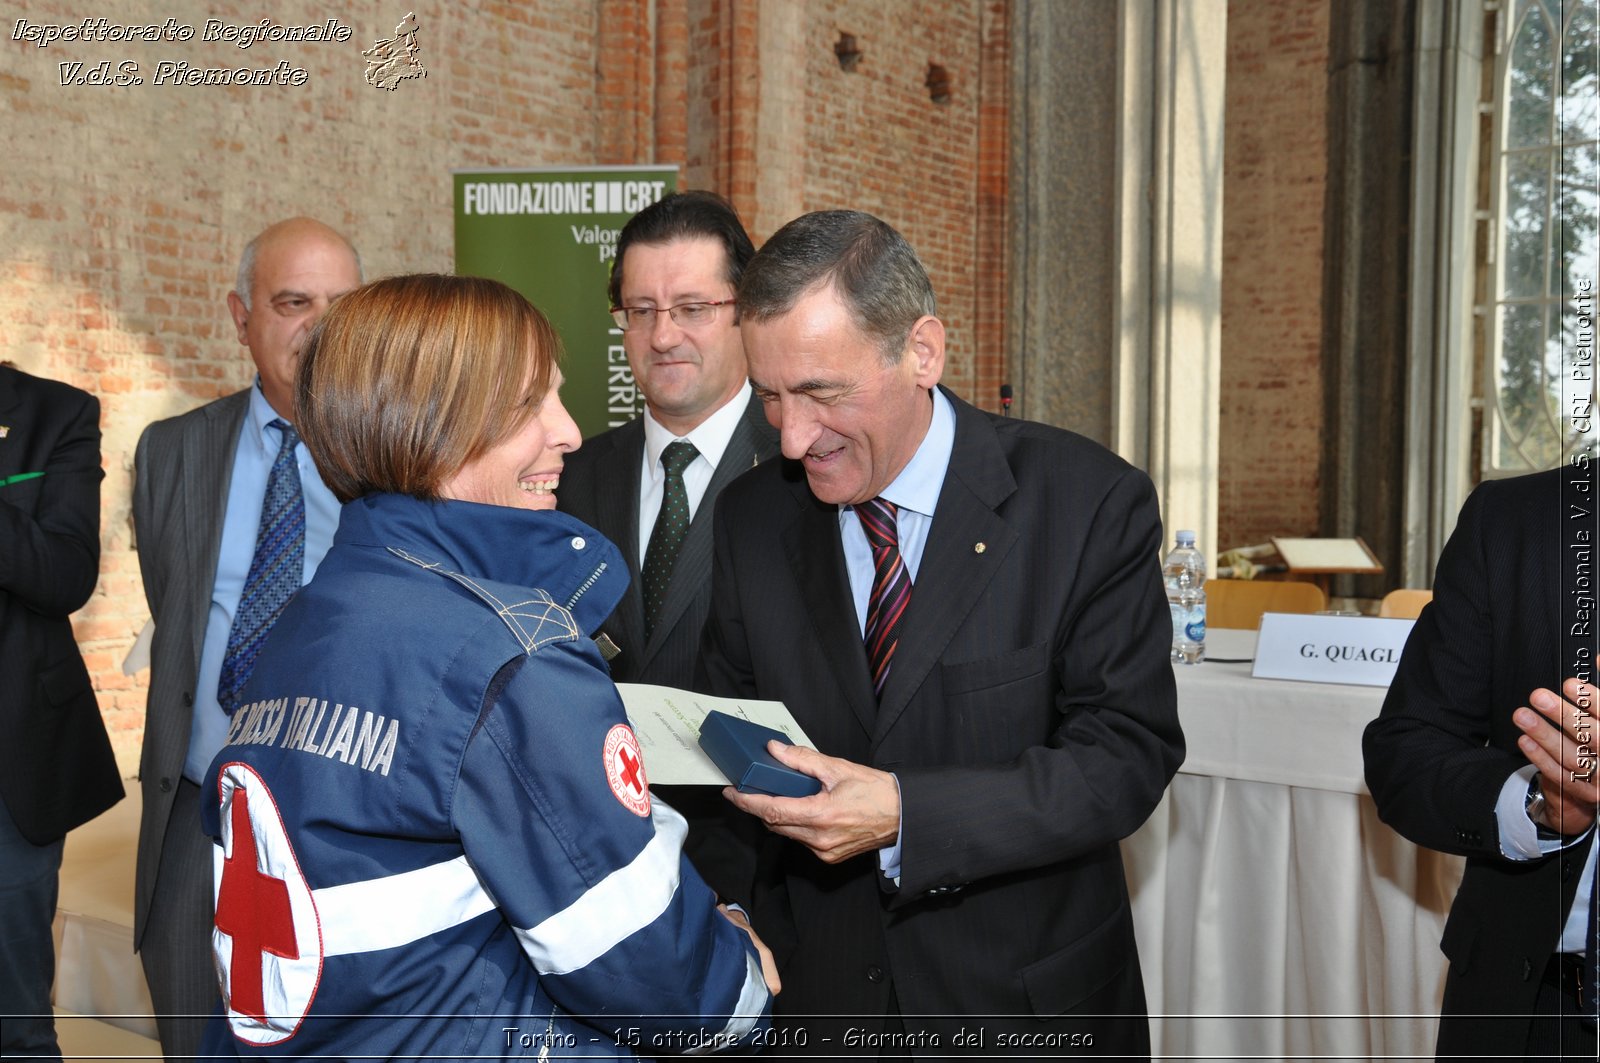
(1030,717)
(183,467)
(600,486)
(1506,618)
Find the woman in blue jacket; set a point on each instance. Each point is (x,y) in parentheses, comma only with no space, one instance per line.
(434,830)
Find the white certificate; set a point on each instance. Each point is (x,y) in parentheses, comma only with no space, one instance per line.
(667,721)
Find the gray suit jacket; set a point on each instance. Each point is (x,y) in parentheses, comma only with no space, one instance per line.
(600,486)
(182,471)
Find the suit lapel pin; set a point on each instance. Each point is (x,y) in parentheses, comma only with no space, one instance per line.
(5,430)
(978,548)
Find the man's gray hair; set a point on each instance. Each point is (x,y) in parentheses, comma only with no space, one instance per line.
(876,273)
(246,277)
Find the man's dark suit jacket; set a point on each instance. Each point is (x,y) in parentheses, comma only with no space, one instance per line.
(600,486)
(1030,716)
(56,765)
(182,470)
(1444,744)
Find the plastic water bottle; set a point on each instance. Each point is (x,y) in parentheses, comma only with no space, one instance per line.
(1184,574)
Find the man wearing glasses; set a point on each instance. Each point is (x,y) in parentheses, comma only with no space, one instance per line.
(649,486)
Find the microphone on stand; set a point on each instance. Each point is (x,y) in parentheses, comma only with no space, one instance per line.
(1005,399)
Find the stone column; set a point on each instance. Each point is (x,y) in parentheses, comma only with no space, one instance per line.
(1441,349)
(1117,247)
(1366,290)
(1188,63)
(1064,211)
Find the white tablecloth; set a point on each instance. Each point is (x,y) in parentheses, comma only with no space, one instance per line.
(1276,915)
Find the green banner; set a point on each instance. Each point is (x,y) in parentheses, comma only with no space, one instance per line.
(551,234)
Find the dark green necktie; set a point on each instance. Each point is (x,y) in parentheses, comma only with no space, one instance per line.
(666,538)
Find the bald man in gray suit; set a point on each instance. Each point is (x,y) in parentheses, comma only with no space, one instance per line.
(200,479)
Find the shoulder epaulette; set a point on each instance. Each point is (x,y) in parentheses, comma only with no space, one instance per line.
(534,621)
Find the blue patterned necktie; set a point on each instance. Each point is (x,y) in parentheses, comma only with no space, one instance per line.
(275,570)
(671,528)
(891,587)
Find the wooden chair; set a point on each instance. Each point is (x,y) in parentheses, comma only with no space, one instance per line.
(1239,603)
(1404,604)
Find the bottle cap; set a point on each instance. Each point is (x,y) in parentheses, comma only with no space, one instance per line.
(1186,538)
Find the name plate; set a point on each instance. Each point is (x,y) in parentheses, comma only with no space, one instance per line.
(1359,650)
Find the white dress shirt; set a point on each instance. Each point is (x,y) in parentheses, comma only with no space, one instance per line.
(710,437)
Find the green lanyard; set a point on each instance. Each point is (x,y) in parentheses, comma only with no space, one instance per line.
(19,477)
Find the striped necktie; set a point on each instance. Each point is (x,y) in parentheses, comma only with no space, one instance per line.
(275,570)
(671,528)
(891,587)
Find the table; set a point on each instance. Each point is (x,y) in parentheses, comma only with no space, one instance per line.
(1276,915)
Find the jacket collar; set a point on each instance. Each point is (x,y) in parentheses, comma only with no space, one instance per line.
(557,553)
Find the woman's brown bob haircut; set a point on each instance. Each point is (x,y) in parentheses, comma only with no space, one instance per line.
(406,380)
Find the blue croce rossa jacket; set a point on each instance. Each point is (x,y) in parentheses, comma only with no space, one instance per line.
(435,836)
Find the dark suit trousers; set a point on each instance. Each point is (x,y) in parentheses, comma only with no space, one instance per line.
(177,942)
(29,878)
(1553,1031)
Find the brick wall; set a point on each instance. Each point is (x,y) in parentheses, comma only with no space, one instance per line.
(1275,176)
(874,140)
(123,209)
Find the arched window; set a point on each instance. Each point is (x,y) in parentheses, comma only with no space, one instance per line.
(1543,251)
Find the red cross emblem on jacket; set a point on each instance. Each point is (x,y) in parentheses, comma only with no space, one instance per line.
(624,763)
(269,945)
(253,909)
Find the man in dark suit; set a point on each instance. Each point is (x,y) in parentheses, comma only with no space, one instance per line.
(1486,747)
(965,614)
(678,264)
(201,483)
(56,765)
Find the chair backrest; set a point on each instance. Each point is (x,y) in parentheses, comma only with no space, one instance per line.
(1239,603)
(1404,604)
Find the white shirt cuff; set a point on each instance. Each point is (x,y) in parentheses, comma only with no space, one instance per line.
(1519,835)
(889,859)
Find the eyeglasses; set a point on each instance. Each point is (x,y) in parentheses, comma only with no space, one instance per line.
(684,315)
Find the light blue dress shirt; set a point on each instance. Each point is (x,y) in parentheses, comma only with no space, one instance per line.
(915,493)
(252,463)
(1519,840)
